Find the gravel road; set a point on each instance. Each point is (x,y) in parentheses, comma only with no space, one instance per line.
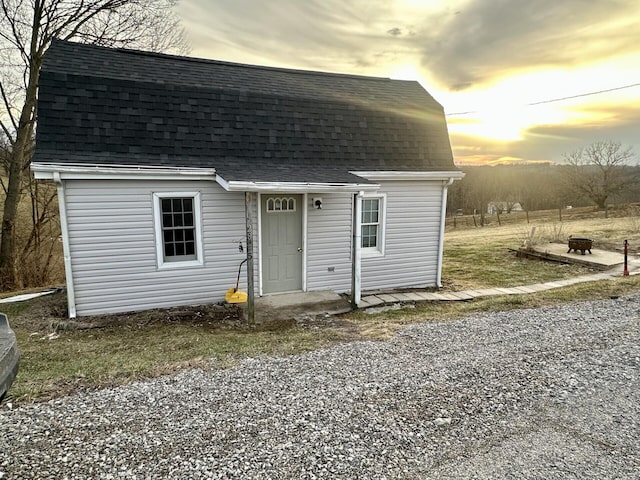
(545,393)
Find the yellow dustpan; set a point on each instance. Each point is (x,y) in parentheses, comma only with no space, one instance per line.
(233,295)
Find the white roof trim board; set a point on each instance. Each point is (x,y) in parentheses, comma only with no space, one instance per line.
(119,172)
(127,172)
(245,186)
(402,175)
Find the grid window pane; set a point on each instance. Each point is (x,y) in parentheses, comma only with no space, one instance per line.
(178,229)
(370,210)
(370,222)
(369,236)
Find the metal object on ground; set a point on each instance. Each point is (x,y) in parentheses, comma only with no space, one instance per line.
(9,355)
(582,244)
(626,268)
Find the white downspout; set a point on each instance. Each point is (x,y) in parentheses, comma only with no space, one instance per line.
(443,218)
(64,226)
(357,253)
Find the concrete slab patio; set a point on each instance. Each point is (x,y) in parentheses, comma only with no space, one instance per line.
(286,306)
(601,259)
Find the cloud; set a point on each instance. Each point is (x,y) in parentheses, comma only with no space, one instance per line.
(491,38)
(461,44)
(319,34)
(551,142)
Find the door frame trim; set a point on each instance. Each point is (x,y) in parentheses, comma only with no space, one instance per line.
(303,226)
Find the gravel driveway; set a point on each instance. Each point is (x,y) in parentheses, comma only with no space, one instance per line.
(545,393)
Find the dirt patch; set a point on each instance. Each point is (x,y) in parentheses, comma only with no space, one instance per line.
(50,313)
(337,322)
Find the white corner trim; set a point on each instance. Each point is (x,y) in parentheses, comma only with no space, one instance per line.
(443,217)
(356,281)
(401,175)
(259,241)
(293,187)
(66,248)
(46,171)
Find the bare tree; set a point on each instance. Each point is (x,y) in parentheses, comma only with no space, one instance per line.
(27,28)
(600,171)
(481,190)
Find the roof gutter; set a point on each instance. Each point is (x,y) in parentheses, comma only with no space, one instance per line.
(302,187)
(376,175)
(47,171)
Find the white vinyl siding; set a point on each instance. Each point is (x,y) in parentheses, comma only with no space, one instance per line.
(411,237)
(114,253)
(329,243)
(411,222)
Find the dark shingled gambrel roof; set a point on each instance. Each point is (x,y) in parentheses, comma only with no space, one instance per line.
(122,107)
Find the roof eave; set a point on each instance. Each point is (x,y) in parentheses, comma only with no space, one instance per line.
(46,171)
(377,175)
(302,187)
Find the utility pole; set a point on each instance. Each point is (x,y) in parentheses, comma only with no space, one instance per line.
(249,217)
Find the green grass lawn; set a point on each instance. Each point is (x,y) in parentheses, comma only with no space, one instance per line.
(480,257)
(471,263)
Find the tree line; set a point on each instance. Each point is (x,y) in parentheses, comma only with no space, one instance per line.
(598,174)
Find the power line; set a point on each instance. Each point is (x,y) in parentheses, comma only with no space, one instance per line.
(585,94)
(559,99)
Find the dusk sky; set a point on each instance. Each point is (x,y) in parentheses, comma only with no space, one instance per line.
(490,63)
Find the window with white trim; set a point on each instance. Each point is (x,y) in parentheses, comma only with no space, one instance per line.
(372,225)
(178,229)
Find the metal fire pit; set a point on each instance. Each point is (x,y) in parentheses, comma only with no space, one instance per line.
(582,244)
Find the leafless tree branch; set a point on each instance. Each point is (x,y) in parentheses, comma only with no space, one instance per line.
(27,28)
(600,171)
